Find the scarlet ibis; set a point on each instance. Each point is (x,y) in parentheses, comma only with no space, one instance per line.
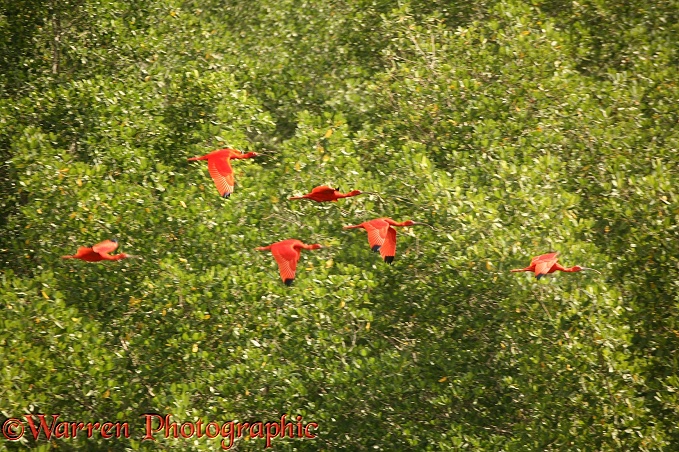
(219,166)
(381,235)
(547,263)
(287,254)
(99,252)
(323,193)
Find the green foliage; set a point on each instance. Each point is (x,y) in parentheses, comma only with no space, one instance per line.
(510,127)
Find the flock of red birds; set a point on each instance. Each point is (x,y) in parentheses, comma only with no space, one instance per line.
(381,234)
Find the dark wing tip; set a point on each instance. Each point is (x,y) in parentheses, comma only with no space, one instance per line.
(114,240)
(288,281)
(376,248)
(226,195)
(539,276)
(389,259)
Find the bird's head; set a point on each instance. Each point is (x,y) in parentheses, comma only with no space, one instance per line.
(409,223)
(315,246)
(250,154)
(355,192)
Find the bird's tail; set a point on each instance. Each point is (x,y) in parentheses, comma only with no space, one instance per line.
(297,197)
(67,257)
(263,248)
(519,270)
(352,226)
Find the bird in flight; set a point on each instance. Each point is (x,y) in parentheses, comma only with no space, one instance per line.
(382,236)
(99,252)
(323,193)
(547,263)
(219,166)
(287,254)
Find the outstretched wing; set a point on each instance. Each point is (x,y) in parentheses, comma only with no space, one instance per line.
(388,249)
(222,173)
(82,251)
(104,247)
(377,233)
(322,193)
(324,189)
(286,257)
(543,257)
(544,263)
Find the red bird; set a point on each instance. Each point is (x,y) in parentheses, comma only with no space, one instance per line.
(546,263)
(219,166)
(381,235)
(287,254)
(99,252)
(324,193)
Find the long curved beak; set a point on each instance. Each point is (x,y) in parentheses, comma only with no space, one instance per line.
(587,268)
(424,224)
